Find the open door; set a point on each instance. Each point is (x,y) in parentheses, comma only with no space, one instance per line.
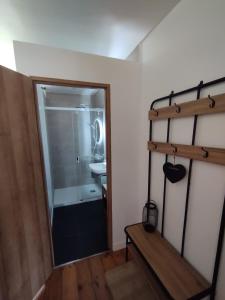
(25,251)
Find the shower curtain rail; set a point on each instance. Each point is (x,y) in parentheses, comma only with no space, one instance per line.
(74,108)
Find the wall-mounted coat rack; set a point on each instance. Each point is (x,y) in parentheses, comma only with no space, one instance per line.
(207,154)
(209,105)
(201,106)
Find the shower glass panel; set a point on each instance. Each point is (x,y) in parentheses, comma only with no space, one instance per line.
(88,189)
(72,149)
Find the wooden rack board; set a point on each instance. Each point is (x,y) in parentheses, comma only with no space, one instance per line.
(209,105)
(207,154)
(178,277)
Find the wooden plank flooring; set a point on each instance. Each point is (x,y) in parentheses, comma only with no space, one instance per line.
(83,280)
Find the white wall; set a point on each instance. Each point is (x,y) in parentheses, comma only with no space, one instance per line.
(186,47)
(135,55)
(124,78)
(7,58)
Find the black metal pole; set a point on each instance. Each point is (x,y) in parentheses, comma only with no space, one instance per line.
(218,253)
(189,175)
(149,163)
(213,82)
(166,159)
(126,251)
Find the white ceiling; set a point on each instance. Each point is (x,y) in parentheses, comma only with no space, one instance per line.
(104,27)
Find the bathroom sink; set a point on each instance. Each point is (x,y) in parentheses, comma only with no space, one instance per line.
(98,168)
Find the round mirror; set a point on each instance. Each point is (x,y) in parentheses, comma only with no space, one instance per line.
(98,131)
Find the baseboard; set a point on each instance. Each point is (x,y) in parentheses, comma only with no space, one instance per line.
(38,294)
(119,245)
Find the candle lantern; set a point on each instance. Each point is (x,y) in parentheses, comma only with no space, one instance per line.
(150,216)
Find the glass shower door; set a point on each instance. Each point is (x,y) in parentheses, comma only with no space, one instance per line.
(87,189)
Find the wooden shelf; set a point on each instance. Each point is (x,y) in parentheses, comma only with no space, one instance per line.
(215,155)
(191,108)
(178,277)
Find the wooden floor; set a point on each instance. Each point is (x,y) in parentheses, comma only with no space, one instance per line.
(83,280)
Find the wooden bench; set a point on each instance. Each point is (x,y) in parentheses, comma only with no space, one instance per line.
(175,275)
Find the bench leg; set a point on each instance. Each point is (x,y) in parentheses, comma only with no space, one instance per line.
(126,248)
(212,297)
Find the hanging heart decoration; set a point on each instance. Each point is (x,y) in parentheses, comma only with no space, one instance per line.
(174,173)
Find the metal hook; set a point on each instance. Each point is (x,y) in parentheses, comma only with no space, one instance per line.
(212,101)
(205,152)
(174,148)
(155,112)
(154,145)
(178,109)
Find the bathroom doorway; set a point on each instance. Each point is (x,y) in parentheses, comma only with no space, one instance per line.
(74,129)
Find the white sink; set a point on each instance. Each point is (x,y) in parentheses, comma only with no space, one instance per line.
(98,168)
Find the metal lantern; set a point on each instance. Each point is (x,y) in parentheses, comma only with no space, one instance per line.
(150,216)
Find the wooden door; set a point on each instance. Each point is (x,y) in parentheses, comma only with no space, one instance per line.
(25,252)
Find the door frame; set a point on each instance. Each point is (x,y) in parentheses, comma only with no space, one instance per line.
(83,84)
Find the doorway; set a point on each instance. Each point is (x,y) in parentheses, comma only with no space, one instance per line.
(74,129)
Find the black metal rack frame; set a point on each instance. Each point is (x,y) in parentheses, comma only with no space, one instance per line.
(170,98)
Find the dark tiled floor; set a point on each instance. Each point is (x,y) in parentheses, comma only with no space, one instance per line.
(79,230)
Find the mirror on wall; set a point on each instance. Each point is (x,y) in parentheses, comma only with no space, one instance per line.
(98,131)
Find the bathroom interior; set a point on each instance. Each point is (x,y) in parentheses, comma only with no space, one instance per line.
(73,133)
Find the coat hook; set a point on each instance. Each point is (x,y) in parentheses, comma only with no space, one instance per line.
(154,145)
(211,101)
(174,148)
(205,153)
(155,112)
(178,109)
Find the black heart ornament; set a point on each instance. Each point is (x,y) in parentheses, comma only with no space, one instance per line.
(174,173)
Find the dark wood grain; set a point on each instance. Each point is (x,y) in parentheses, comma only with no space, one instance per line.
(98,279)
(56,292)
(83,279)
(85,287)
(67,82)
(69,283)
(108,261)
(24,239)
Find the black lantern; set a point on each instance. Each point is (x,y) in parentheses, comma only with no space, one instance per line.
(150,216)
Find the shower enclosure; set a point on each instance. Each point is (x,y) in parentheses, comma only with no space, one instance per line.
(72,149)
(72,123)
